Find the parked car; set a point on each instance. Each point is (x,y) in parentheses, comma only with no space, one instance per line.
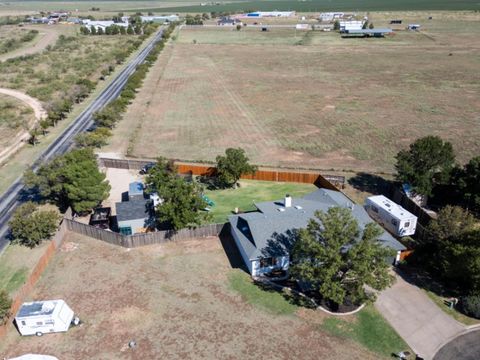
(146,168)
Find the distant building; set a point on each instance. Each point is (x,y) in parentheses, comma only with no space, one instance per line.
(330,16)
(413,26)
(260,14)
(228,21)
(97,24)
(160,19)
(346,26)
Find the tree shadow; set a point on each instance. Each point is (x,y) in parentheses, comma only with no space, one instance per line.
(371,183)
(280,244)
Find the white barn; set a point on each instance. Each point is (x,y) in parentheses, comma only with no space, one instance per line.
(41,317)
(391,216)
(346,26)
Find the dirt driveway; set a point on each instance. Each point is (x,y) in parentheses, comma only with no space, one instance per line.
(47,35)
(23,135)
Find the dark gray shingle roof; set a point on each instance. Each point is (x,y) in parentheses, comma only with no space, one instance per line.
(133,210)
(271,230)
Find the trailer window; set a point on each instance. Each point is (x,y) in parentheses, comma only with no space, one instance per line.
(394,222)
(39,323)
(49,322)
(23,323)
(374,209)
(407,224)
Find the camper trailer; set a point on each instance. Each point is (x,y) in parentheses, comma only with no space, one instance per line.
(41,317)
(391,216)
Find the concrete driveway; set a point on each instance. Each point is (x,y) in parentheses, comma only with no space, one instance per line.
(418,320)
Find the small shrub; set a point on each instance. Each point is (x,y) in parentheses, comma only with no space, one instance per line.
(5,304)
(471,305)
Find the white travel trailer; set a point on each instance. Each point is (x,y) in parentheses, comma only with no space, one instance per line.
(391,216)
(41,317)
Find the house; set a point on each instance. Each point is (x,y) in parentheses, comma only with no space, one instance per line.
(135,214)
(413,27)
(42,317)
(391,216)
(265,237)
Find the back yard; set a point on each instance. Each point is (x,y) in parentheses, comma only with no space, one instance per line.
(310,99)
(184,300)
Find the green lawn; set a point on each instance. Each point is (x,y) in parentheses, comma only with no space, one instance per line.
(11,279)
(271,301)
(457,315)
(251,191)
(369,329)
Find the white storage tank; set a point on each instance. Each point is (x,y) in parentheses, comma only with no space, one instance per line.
(391,216)
(41,317)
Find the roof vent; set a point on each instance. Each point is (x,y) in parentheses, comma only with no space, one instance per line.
(288,201)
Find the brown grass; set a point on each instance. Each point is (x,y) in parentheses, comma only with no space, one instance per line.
(175,301)
(326,103)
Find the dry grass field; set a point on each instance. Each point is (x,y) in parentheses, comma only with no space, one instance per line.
(310,99)
(14,116)
(177,301)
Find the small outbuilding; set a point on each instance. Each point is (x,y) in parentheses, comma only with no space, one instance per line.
(42,317)
(101,218)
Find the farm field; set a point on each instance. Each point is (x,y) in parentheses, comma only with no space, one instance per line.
(183,300)
(310,99)
(323,5)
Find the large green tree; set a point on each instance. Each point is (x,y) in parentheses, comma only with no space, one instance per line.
(428,161)
(454,248)
(30,226)
(182,202)
(232,166)
(338,259)
(469,183)
(71,180)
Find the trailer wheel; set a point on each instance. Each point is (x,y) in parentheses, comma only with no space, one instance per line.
(39,333)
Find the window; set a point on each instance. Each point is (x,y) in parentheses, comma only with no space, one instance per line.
(375,209)
(23,323)
(394,222)
(39,323)
(407,224)
(126,230)
(49,322)
(268,262)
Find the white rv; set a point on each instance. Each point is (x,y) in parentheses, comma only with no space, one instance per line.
(41,317)
(391,216)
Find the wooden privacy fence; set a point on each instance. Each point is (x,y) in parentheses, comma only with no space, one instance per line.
(332,182)
(136,240)
(22,294)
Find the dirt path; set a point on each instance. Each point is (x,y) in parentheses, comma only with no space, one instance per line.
(23,135)
(46,36)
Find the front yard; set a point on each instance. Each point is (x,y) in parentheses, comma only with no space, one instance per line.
(184,300)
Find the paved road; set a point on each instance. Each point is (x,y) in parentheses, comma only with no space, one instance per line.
(463,347)
(418,320)
(12,197)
